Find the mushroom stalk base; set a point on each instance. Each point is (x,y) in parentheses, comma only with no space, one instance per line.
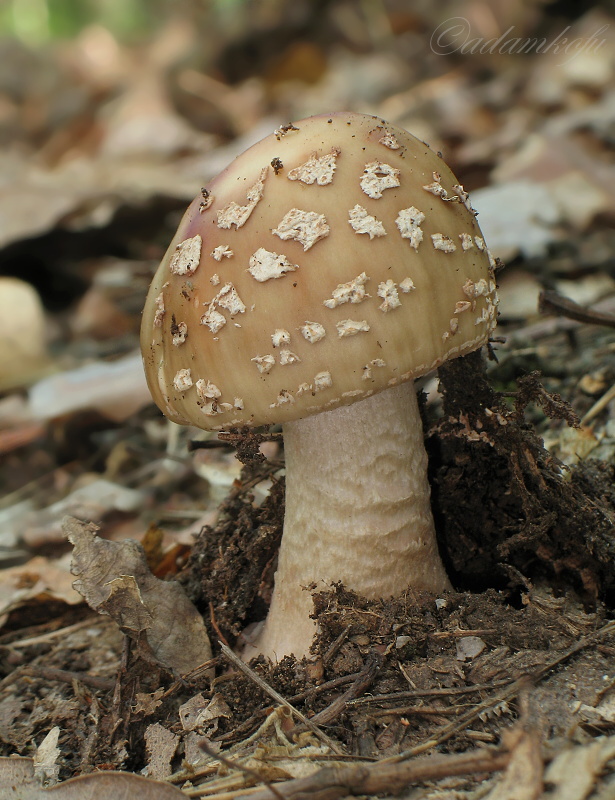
(357,511)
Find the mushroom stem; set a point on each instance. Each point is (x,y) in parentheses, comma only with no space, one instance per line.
(357,511)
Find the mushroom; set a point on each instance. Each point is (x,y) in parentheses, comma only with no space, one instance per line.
(352,264)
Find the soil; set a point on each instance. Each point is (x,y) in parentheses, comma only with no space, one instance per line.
(530,543)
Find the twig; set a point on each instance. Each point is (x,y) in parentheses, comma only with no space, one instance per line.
(599,405)
(241,767)
(335,645)
(237,662)
(459,633)
(191,677)
(63,675)
(201,770)
(53,634)
(21,435)
(411,694)
(214,624)
(334,683)
(462,722)
(224,788)
(550,302)
(362,682)
(426,711)
(234,794)
(331,783)
(297,698)
(269,721)
(322,757)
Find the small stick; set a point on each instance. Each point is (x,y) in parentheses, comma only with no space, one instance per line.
(214,624)
(553,303)
(192,676)
(410,694)
(237,662)
(459,633)
(45,637)
(269,721)
(335,645)
(363,681)
(63,675)
(426,711)
(599,405)
(297,698)
(241,767)
(331,783)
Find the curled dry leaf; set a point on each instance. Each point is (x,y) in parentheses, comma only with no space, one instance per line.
(17,782)
(114,579)
(200,714)
(147,704)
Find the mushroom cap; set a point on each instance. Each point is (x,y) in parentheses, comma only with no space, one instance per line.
(335,258)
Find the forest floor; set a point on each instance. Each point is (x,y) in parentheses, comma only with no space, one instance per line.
(503,688)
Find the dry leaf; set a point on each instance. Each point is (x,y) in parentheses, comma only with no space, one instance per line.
(114,579)
(575,444)
(39,579)
(198,712)
(17,782)
(574,773)
(517,216)
(117,389)
(161,745)
(92,500)
(193,752)
(522,779)
(46,767)
(146,704)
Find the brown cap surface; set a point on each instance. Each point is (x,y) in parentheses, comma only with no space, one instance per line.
(333,259)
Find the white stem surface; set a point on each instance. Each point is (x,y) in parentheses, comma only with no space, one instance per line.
(357,511)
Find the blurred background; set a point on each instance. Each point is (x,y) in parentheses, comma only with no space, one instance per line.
(113,113)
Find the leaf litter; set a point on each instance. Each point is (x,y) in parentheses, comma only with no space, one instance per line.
(510,676)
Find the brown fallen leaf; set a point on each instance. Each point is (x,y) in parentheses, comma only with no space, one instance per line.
(522,779)
(146,704)
(199,713)
(17,782)
(161,745)
(574,773)
(40,580)
(114,579)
